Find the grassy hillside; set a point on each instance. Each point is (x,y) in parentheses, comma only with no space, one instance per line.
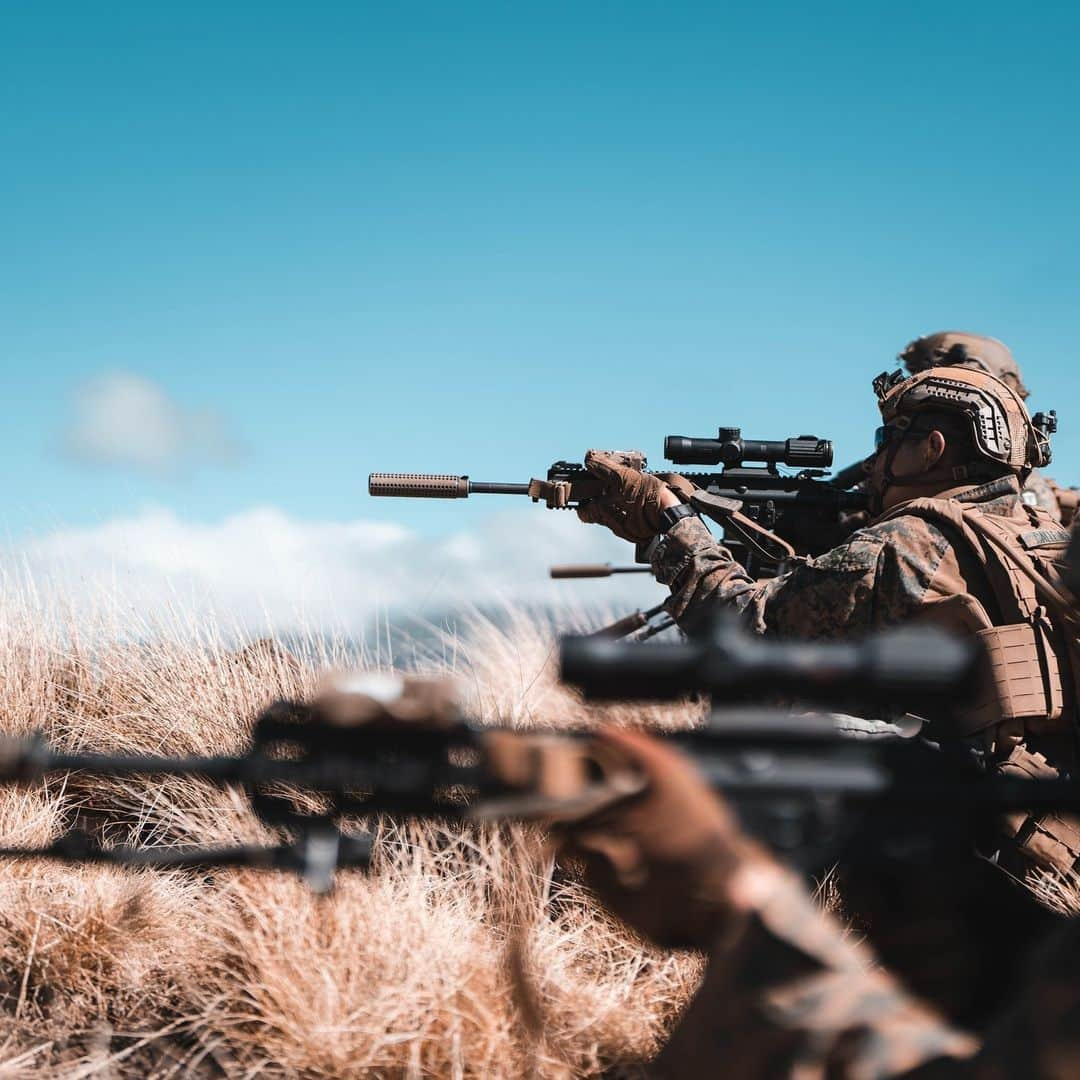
(460,954)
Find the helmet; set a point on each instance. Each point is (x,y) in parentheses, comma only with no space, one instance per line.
(1002,431)
(953,348)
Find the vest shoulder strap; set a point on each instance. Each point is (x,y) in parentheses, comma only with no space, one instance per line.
(1014,593)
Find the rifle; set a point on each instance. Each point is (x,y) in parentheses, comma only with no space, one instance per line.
(756,501)
(638,625)
(805,509)
(795,782)
(566,571)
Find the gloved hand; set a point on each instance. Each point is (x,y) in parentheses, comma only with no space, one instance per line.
(631,501)
(672,862)
(679,485)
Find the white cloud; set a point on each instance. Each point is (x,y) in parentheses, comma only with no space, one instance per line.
(262,570)
(124,419)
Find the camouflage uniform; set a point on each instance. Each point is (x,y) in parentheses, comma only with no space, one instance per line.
(893,570)
(793,994)
(882,575)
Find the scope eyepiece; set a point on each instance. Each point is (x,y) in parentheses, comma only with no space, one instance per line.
(731,450)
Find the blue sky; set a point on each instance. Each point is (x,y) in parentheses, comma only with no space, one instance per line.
(479,237)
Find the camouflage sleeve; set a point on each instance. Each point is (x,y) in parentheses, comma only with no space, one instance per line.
(796,996)
(879,577)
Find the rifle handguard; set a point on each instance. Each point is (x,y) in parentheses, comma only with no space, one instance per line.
(418,485)
(554,494)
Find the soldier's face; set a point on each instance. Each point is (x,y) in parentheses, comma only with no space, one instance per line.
(912,460)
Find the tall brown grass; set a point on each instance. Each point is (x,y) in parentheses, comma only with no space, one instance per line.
(406,971)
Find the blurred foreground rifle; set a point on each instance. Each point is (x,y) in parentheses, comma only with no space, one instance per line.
(775,513)
(640,625)
(382,744)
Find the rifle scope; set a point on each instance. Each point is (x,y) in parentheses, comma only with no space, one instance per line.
(729,448)
(898,666)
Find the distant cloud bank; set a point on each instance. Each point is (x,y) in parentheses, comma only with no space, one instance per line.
(124,419)
(263,571)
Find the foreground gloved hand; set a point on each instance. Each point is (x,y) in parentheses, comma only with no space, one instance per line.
(632,501)
(672,862)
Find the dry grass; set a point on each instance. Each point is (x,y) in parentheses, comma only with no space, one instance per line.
(408,971)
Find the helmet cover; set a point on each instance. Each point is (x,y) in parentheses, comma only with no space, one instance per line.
(954,348)
(1001,429)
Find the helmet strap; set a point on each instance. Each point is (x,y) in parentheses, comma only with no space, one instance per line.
(975,472)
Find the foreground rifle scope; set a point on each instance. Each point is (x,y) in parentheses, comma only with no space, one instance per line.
(907,667)
(729,448)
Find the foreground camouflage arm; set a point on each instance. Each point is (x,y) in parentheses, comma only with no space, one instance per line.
(794,994)
(786,993)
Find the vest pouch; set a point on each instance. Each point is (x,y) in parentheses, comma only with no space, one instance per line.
(1025,681)
(1055,689)
(1045,840)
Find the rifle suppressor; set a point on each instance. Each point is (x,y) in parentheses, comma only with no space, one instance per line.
(435,486)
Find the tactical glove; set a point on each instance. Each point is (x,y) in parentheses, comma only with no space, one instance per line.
(679,484)
(671,862)
(630,504)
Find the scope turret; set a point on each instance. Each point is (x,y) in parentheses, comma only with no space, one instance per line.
(730,449)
